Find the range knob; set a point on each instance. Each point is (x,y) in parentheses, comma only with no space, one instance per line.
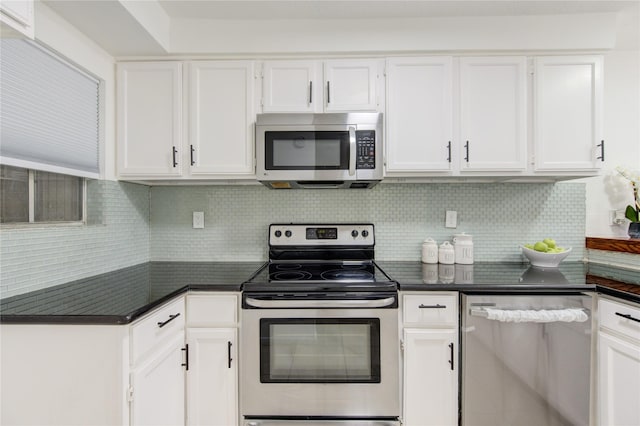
(354,233)
(287,233)
(365,233)
(278,233)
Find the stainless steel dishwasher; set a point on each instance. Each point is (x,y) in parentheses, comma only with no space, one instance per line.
(526,360)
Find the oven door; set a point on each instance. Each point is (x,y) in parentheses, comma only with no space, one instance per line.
(337,358)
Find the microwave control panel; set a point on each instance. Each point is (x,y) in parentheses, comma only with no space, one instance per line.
(366,149)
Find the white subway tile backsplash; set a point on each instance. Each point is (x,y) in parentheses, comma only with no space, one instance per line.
(116,236)
(499,216)
(130,224)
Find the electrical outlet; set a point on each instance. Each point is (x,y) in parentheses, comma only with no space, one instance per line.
(198,220)
(451,219)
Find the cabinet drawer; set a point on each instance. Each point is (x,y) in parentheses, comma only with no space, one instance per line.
(154,328)
(611,316)
(205,310)
(433,309)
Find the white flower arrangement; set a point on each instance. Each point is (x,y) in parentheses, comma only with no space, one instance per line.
(632,212)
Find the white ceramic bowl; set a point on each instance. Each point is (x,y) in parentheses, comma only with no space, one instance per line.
(544,260)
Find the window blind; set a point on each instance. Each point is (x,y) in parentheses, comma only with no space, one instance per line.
(49,112)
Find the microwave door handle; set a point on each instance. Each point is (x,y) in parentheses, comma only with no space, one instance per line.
(352,151)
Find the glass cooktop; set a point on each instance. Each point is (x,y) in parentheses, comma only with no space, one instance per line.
(336,275)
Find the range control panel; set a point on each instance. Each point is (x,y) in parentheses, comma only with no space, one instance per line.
(318,235)
(366,149)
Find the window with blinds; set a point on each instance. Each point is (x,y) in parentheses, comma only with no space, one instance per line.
(49,110)
(49,134)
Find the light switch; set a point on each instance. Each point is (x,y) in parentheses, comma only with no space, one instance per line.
(451,219)
(198,220)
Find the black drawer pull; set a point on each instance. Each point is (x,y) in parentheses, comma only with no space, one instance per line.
(171,318)
(451,359)
(627,316)
(436,306)
(229,359)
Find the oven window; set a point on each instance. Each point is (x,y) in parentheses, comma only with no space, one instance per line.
(307,150)
(320,350)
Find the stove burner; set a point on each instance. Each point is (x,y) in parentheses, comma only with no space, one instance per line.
(347,274)
(289,276)
(288,266)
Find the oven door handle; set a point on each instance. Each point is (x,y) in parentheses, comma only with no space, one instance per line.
(291,304)
(352,151)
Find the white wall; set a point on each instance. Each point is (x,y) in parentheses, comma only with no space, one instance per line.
(621,129)
(60,36)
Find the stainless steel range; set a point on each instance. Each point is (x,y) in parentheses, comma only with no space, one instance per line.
(320,331)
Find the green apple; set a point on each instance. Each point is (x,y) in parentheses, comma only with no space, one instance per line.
(529,246)
(540,246)
(549,242)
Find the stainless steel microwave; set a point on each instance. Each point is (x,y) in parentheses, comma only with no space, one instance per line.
(330,150)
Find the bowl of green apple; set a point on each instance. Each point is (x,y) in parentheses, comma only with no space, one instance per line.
(545,253)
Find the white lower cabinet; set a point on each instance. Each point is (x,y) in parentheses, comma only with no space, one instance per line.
(158,387)
(430,359)
(83,374)
(618,364)
(212,378)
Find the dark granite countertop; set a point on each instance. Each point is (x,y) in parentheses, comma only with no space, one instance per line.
(121,296)
(497,277)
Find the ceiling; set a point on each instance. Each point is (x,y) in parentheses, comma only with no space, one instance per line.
(368,9)
(147,27)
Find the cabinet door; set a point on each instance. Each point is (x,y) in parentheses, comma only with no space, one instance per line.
(350,85)
(291,86)
(158,387)
(212,391)
(419,114)
(618,381)
(17,16)
(149,115)
(221,117)
(568,113)
(430,377)
(493,120)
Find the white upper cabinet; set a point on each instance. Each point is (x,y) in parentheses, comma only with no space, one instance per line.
(317,86)
(350,85)
(493,113)
(221,116)
(17,18)
(149,115)
(568,113)
(291,86)
(419,114)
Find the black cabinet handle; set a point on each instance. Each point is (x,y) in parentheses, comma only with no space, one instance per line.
(449,150)
(186,357)
(601,145)
(192,151)
(175,152)
(171,318)
(436,306)
(328,92)
(310,92)
(627,316)
(466,147)
(229,359)
(451,359)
